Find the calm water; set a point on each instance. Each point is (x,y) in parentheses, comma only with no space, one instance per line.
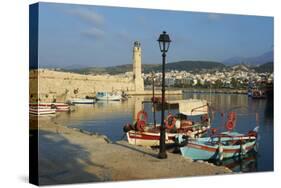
(108,118)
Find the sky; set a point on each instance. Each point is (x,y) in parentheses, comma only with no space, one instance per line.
(97,36)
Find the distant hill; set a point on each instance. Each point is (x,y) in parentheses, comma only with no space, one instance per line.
(258,60)
(190,66)
(180,65)
(267,67)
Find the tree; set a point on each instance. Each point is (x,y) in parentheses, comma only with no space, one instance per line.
(234,83)
(218,84)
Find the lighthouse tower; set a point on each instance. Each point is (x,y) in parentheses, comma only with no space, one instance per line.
(138,80)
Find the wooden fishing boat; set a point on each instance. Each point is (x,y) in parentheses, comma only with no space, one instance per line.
(41,111)
(145,134)
(60,107)
(106,96)
(225,145)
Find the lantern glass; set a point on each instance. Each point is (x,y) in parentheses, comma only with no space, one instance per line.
(164,42)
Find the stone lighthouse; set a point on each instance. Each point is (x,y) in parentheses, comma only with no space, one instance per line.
(138,80)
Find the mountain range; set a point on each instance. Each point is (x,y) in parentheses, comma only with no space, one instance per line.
(262,63)
(252,61)
(195,66)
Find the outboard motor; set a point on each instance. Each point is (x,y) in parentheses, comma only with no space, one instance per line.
(128,127)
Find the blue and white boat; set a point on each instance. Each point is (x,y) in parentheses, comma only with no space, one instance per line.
(218,147)
(82,101)
(106,96)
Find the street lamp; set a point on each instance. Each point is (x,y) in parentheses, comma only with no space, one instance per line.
(153,98)
(164,43)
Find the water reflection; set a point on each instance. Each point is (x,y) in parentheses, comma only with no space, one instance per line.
(246,164)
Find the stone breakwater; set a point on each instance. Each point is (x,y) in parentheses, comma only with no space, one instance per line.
(72,156)
(46,85)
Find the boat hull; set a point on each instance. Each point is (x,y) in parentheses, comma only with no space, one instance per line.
(145,138)
(60,107)
(199,151)
(41,111)
(105,96)
(83,101)
(113,98)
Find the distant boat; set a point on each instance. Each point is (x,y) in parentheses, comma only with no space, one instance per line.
(255,92)
(41,111)
(258,94)
(106,96)
(82,101)
(145,134)
(218,147)
(60,107)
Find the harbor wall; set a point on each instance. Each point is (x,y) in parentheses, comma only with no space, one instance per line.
(46,85)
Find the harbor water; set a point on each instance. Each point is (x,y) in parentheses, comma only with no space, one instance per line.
(108,118)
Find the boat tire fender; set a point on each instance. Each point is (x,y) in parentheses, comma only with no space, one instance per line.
(170,122)
(142,115)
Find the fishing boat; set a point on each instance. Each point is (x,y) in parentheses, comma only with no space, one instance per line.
(222,146)
(60,107)
(82,101)
(41,111)
(106,96)
(148,134)
(258,94)
(219,146)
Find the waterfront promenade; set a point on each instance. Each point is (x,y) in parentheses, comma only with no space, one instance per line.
(70,156)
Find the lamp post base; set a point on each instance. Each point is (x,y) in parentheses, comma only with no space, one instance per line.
(162,155)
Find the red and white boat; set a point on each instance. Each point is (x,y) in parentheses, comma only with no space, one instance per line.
(59,107)
(41,111)
(145,134)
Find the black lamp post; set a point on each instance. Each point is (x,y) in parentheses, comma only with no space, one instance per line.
(153,98)
(164,43)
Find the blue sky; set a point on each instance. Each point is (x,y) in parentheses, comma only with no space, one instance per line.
(94,36)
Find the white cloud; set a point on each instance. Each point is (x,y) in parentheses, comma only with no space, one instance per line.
(93,32)
(92,18)
(88,15)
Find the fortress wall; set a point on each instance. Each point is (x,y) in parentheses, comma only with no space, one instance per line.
(63,86)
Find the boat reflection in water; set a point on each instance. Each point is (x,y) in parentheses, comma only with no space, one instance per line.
(246,164)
